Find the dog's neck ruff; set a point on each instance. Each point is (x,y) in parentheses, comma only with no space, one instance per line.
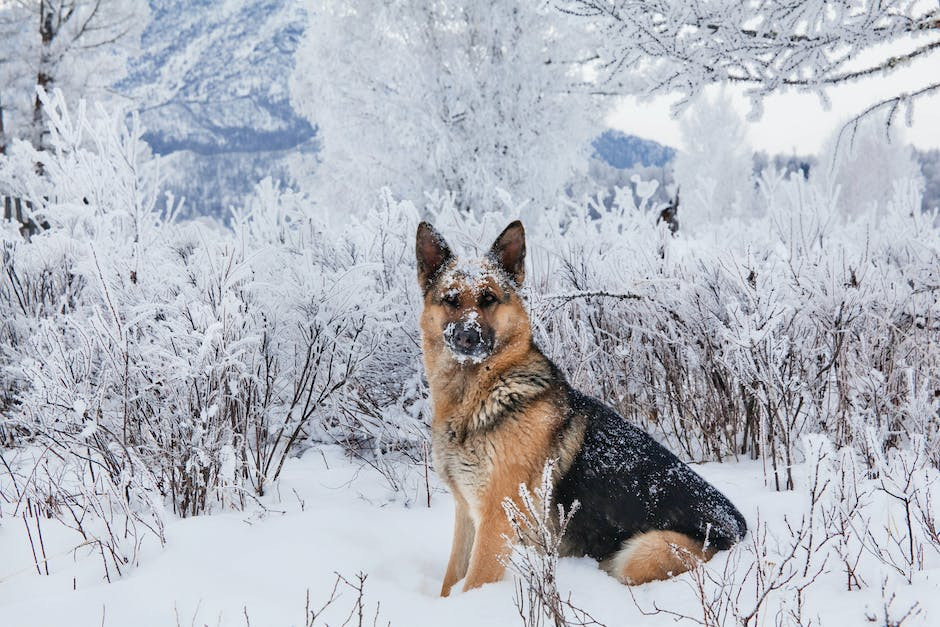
(508,393)
(512,392)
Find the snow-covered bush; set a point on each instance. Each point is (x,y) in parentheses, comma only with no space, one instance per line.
(182,363)
(800,321)
(856,530)
(155,365)
(536,539)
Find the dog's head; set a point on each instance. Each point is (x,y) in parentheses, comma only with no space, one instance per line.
(471,307)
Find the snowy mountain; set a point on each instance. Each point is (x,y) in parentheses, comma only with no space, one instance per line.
(624,151)
(212,82)
(213,79)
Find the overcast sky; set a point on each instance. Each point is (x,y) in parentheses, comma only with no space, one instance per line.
(798,123)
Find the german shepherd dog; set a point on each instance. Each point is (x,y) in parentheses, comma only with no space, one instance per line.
(501,409)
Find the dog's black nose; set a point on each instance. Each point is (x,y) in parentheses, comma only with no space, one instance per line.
(467,338)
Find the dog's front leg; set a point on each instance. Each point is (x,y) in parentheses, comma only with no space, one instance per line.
(489,546)
(460,549)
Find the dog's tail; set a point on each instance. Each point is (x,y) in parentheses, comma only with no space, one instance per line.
(656,555)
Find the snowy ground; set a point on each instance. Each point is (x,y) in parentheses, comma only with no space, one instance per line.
(331,515)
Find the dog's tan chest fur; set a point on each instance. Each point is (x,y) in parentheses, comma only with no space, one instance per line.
(503,438)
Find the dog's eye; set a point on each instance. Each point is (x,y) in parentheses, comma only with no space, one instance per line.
(451,300)
(487,299)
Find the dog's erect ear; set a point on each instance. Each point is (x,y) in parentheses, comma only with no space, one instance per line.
(432,252)
(509,251)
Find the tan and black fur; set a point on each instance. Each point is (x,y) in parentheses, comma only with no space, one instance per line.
(502,409)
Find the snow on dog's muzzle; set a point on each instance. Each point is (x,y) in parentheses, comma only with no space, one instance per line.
(467,339)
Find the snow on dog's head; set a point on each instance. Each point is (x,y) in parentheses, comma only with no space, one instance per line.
(472,311)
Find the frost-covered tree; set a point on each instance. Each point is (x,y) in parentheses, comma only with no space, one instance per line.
(866,170)
(670,46)
(456,96)
(77,46)
(714,170)
(16,79)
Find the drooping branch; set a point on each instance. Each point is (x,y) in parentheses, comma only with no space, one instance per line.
(891,105)
(656,47)
(884,67)
(665,46)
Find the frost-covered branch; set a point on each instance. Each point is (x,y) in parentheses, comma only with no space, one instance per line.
(537,534)
(680,47)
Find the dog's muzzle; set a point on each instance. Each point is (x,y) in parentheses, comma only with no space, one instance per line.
(467,340)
